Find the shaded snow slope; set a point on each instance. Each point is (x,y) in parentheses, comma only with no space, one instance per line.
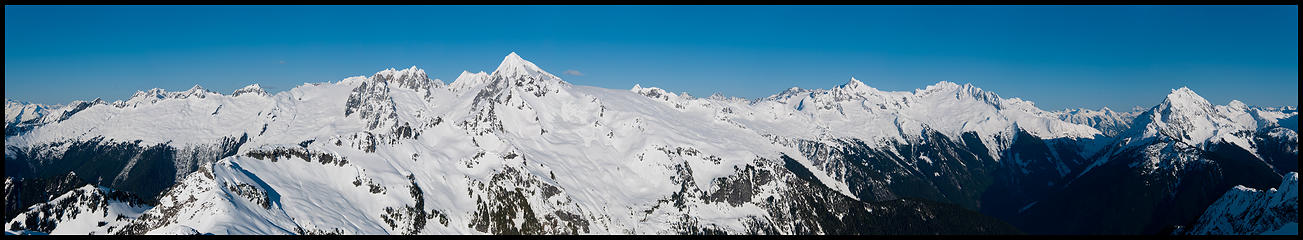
(85,210)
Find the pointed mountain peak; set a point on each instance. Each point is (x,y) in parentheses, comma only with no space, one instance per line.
(514,76)
(1183,90)
(513,56)
(514,65)
(854,86)
(196,91)
(718,96)
(1184,98)
(467,80)
(854,83)
(1188,117)
(1183,93)
(252,88)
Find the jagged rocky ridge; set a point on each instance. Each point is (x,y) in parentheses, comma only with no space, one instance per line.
(1248,211)
(520,151)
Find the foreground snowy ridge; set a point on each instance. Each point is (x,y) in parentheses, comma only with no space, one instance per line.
(1248,211)
(520,150)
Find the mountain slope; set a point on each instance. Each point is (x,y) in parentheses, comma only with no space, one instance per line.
(85,210)
(1175,160)
(1245,211)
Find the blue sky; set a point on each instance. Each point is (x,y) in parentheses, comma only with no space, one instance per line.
(1057,56)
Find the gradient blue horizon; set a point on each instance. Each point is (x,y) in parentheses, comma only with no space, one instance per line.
(1056,56)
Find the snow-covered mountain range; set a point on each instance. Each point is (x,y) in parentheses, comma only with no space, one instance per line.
(519,150)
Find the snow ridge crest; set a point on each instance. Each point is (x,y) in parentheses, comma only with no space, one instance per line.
(514,65)
(1245,211)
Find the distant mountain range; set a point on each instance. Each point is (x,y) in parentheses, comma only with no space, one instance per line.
(520,151)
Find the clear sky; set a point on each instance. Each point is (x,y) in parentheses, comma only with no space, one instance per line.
(1057,56)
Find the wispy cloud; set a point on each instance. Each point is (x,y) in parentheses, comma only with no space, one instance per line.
(282,62)
(572,72)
